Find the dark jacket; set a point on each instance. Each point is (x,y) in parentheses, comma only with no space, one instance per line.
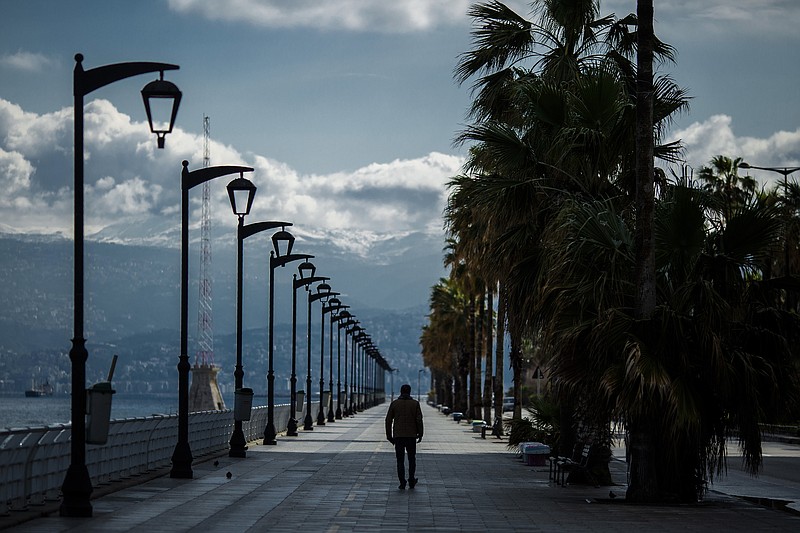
(404,418)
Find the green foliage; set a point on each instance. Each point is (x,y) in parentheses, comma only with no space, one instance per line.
(540,426)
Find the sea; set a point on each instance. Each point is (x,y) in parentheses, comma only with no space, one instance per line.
(18,411)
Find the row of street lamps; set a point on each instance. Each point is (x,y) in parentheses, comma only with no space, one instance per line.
(362,387)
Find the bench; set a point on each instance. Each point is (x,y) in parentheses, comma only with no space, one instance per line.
(581,463)
(560,466)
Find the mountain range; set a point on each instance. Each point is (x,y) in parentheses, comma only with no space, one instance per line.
(132,288)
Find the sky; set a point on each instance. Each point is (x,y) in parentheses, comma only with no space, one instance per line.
(347,109)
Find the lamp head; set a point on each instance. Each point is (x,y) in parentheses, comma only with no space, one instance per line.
(282,239)
(307,269)
(324,290)
(241,192)
(164,98)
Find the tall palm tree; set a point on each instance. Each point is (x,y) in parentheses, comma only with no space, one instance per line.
(445,337)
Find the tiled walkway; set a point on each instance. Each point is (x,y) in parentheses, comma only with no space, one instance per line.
(341,477)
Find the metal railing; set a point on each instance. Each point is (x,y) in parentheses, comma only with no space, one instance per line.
(34,460)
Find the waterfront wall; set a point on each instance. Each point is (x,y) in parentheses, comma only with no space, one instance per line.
(34,460)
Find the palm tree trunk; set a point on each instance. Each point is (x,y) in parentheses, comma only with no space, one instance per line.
(498,372)
(472,381)
(488,379)
(644,483)
(477,411)
(462,373)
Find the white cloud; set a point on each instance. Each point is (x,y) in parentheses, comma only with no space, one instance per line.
(396,16)
(128,181)
(15,175)
(716,136)
(26,61)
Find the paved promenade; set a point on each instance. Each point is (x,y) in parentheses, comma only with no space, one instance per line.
(341,477)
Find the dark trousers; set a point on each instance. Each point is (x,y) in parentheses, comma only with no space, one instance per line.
(401,446)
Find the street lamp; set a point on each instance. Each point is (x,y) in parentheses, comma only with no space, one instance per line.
(277,258)
(323,293)
(77,486)
(359,338)
(391,376)
(241,192)
(322,400)
(347,325)
(334,305)
(353,330)
(307,271)
(340,318)
(419,391)
(182,455)
(784,171)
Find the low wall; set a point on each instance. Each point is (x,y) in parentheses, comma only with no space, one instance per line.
(34,461)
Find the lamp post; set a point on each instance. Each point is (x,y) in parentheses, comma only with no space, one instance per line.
(307,271)
(323,293)
(347,325)
(341,318)
(77,486)
(784,171)
(419,391)
(334,305)
(358,338)
(353,330)
(182,455)
(276,259)
(241,193)
(322,402)
(391,377)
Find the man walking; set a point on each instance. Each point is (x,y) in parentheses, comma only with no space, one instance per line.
(404,430)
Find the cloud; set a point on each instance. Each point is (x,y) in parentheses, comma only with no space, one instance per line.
(26,61)
(130,184)
(719,17)
(396,16)
(716,136)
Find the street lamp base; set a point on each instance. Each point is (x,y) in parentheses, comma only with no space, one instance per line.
(77,489)
(331,417)
(182,462)
(321,419)
(308,423)
(339,413)
(270,434)
(237,442)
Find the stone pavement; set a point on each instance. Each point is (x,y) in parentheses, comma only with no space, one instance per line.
(341,477)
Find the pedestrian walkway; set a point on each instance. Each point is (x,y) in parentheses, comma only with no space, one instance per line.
(341,477)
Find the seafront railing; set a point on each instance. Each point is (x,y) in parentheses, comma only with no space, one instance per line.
(34,460)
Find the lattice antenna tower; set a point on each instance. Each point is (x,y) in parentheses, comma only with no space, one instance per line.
(205,330)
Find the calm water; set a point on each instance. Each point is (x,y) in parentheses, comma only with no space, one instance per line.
(18,411)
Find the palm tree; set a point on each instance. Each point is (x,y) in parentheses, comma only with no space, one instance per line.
(444,339)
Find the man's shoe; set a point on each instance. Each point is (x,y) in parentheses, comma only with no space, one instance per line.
(402,486)
(412,482)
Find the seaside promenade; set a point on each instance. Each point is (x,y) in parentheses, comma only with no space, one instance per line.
(341,477)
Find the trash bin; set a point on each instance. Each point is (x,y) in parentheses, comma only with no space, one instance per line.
(534,453)
(98,411)
(299,399)
(326,401)
(242,404)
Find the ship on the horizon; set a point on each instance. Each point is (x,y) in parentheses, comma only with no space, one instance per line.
(37,391)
